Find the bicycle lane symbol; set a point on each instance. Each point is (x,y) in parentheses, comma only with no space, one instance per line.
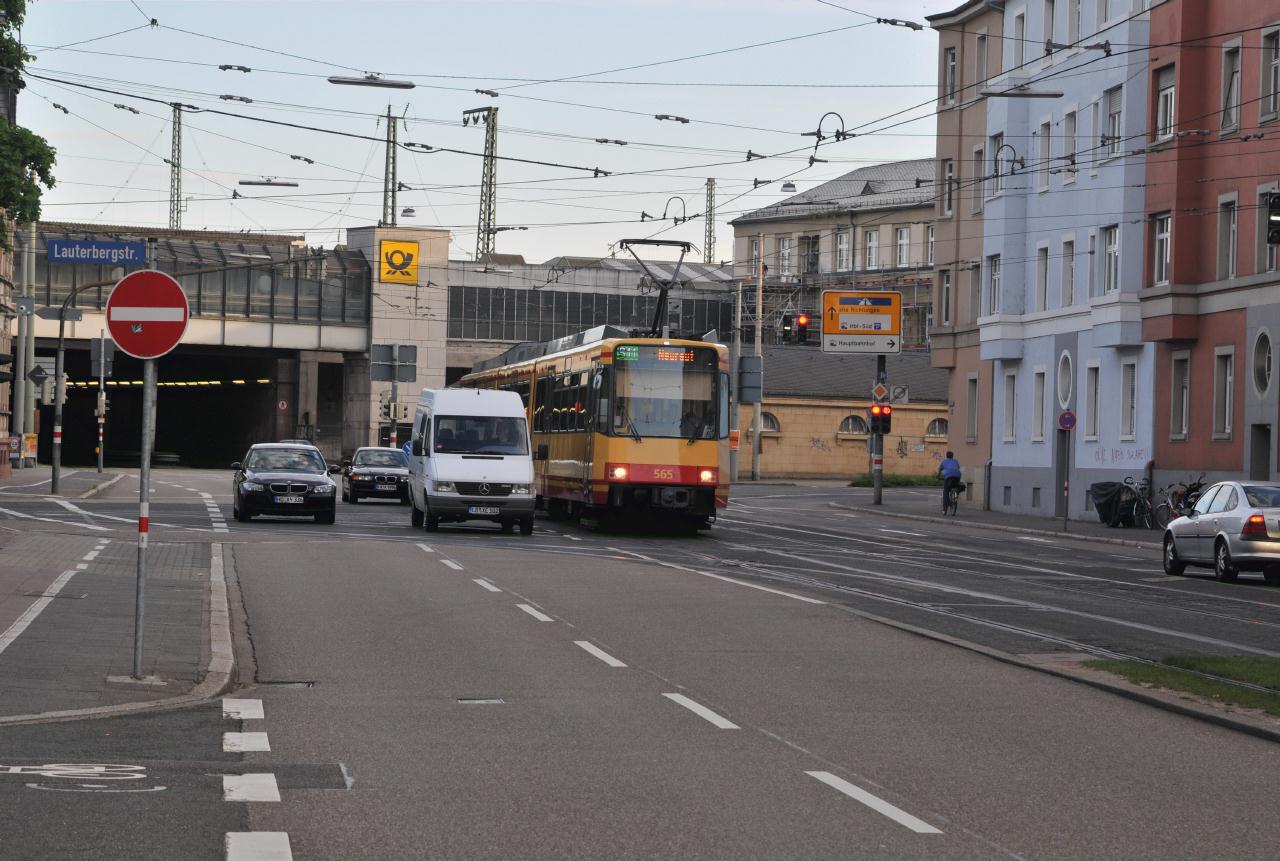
(84,772)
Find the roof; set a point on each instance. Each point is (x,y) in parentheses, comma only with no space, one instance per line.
(118,230)
(795,371)
(895,185)
(965,10)
(503,259)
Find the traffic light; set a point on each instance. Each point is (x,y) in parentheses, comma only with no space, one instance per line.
(384,410)
(1273,218)
(787,327)
(881,418)
(802,329)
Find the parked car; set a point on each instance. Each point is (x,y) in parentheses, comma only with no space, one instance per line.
(280,478)
(376,473)
(1233,527)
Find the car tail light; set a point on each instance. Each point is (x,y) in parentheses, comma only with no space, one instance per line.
(707,476)
(1255,526)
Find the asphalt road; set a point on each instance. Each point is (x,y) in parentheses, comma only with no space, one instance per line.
(579,694)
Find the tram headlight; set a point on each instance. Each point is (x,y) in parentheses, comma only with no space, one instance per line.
(707,476)
(618,472)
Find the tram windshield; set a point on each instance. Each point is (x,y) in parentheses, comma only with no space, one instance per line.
(663,391)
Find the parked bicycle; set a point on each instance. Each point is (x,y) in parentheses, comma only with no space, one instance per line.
(1136,507)
(1177,499)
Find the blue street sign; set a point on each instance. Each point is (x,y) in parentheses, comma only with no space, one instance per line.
(93,252)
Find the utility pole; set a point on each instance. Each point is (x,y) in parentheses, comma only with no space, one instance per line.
(20,370)
(390,185)
(175,170)
(29,280)
(735,352)
(709,241)
(757,417)
(488,176)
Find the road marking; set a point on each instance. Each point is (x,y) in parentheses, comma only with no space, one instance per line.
(243,742)
(242,709)
(879,805)
(90,556)
(486,584)
(716,576)
(37,607)
(599,653)
(537,614)
(22,516)
(451,564)
(426,549)
(258,846)
(1035,539)
(80,566)
(904,532)
(573,537)
(250,787)
(1165,579)
(75,509)
(701,711)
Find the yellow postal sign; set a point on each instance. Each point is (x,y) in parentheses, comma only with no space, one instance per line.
(398,262)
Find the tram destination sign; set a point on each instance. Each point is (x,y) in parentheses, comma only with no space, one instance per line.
(861,321)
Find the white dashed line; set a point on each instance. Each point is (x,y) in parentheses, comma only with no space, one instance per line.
(573,538)
(80,566)
(243,742)
(425,549)
(242,709)
(258,846)
(487,585)
(702,711)
(599,653)
(903,532)
(90,556)
(879,805)
(451,564)
(535,613)
(250,787)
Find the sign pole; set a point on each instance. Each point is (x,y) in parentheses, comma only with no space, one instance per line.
(877,445)
(102,390)
(59,392)
(144,505)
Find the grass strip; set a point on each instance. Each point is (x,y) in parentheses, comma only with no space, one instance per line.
(897,480)
(1171,675)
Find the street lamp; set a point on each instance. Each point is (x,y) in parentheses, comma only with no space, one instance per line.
(372,80)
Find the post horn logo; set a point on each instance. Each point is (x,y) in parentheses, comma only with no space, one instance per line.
(398,261)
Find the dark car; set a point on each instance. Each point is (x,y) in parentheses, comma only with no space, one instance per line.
(376,473)
(277,478)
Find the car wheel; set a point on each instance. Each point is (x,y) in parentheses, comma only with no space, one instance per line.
(1272,576)
(1173,565)
(1223,568)
(415,515)
(346,496)
(328,517)
(526,526)
(353,497)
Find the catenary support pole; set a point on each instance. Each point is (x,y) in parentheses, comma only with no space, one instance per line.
(735,352)
(29,282)
(757,415)
(19,423)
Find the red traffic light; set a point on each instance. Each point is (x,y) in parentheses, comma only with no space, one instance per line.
(803,320)
(887,410)
(876,409)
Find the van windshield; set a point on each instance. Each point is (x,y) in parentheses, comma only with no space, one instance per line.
(480,435)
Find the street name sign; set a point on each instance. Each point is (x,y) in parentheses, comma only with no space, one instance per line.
(861,321)
(147,314)
(91,252)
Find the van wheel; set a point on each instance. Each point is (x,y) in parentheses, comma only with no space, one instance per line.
(431,522)
(526,526)
(415,516)
(508,527)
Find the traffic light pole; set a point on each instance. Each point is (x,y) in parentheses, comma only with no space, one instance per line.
(394,407)
(877,446)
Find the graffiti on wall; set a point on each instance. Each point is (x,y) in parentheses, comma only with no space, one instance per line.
(1131,456)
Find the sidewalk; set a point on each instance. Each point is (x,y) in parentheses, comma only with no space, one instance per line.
(74,482)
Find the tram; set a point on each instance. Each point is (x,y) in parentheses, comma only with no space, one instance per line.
(622,426)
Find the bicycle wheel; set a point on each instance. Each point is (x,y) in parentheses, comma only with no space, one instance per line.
(1164,515)
(953,502)
(1142,517)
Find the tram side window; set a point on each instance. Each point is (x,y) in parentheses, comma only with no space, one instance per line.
(724,406)
(542,413)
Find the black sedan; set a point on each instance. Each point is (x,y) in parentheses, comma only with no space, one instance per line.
(276,478)
(376,473)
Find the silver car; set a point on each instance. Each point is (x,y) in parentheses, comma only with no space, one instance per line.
(1234,527)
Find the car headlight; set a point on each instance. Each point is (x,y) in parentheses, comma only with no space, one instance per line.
(252,485)
(520,488)
(322,489)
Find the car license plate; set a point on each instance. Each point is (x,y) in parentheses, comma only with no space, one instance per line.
(384,487)
(480,509)
(291,500)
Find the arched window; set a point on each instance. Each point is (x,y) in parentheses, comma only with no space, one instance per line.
(769,423)
(937,427)
(853,424)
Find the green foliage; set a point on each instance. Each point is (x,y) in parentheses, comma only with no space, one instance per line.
(26,159)
(1260,671)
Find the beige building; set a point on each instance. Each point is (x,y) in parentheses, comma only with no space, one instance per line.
(815,415)
(969,46)
(870,229)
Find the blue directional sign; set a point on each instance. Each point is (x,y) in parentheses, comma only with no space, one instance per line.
(94,252)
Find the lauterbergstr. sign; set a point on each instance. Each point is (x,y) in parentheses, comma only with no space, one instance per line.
(93,252)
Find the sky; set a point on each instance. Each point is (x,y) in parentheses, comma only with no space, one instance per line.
(111,161)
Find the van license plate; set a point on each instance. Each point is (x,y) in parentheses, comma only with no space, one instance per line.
(384,487)
(289,499)
(480,509)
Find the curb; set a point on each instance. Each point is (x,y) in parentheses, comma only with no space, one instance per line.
(1000,527)
(99,487)
(217,677)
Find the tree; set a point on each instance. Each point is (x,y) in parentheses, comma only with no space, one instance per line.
(26,159)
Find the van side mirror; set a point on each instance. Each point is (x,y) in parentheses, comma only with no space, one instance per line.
(415,447)
(235,465)
(541,452)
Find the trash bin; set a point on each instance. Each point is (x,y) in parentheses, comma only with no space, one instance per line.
(1113,501)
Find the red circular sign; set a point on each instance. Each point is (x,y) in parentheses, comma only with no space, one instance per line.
(1067,420)
(147,313)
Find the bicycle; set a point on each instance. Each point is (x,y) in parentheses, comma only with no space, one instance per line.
(953,499)
(1139,506)
(1177,499)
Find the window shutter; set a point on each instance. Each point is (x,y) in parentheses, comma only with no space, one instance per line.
(1113,101)
(1164,78)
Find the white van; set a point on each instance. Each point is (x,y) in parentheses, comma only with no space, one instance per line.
(469,459)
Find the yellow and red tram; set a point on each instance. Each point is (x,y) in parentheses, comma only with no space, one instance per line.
(636,427)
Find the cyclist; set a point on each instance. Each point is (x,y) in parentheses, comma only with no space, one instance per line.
(949,469)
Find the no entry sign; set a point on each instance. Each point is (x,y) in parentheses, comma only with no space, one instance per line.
(147,313)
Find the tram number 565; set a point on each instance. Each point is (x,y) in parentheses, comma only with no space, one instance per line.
(664,473)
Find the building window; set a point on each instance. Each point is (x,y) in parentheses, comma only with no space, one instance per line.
(971,409)
(948,184)
(993,284)
(938,427)
(978,185)
(1068,273)
(949,76)
(1050,33)
(1092,265)
(997,164)
(1046,153)
(903,237)
(1271,74)
(1066,379)
(842,252)
(1069,146)
(755,256)
(784,255)
(1075,14)
(1164,103)
(1019,35)
(1010,406)
(1096,152)
(1042,278)
(769,423)
(854,425)
(1114,143)
(873,249)
(1162,229)
(1262,364)
(1037,405)
(929,244)
(1128,400)
(1224,384)
(1230,88)
(944,296)
(1111,258)
(1091,402)
(1227,239)
(1179,414)
(1104,12)
(980,58)
(1266,251)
